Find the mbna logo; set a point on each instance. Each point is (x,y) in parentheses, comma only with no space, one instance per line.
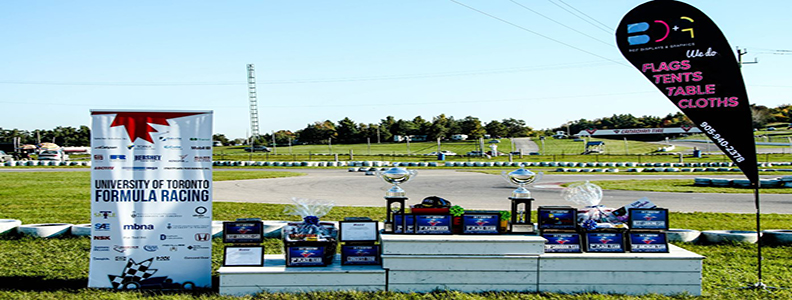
(139,227)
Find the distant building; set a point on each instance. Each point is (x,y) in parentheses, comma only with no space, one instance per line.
(459,137)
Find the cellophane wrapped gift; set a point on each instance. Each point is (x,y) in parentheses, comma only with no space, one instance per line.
(310,229)
(592,215)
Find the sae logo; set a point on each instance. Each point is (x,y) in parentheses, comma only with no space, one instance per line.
(102,226)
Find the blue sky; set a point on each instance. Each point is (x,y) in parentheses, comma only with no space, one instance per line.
(326,60)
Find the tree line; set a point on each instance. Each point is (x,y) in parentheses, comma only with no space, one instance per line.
(347,131)
(761,116)
(63,136)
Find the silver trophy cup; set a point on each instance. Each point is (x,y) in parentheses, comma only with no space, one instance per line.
(396,176)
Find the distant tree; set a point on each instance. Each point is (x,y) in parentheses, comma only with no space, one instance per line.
(760,115)
(421,126)
(221,138)
(348,132)
(516,128)
(496,129)
(439,128)
(472,127)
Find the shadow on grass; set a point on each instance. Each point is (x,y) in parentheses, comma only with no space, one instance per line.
(40,284)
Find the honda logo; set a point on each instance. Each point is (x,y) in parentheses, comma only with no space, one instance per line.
(202,237)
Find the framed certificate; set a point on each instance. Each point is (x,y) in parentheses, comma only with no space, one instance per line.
(358,231)
(243,256)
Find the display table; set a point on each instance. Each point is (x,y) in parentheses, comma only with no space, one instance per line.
(275,277)
(468,263)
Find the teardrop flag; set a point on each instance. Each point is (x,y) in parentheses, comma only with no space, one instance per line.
(684,54)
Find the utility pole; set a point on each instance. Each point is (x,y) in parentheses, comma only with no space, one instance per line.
(740,53)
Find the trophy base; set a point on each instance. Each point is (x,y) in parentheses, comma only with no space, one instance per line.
(522,228)
(388,228)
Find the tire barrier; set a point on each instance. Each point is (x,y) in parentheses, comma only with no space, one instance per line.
(46,230)
(81,229)
(682,235)
(777,236)
(780,182)
(9,225)
(729,236)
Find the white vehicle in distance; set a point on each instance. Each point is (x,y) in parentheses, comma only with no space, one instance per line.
(446,152)
(56,155)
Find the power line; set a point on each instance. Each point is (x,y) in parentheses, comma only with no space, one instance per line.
(604,26)
(539,34)
(325,80)
(562,24)
(610,31)
(367,104)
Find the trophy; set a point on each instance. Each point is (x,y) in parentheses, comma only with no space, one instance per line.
(521,199)
(395,196)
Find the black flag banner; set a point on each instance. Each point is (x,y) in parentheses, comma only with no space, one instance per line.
(684,54)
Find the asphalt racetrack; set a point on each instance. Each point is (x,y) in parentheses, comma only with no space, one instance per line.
(473,190)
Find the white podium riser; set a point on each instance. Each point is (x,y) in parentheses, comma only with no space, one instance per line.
(457,262)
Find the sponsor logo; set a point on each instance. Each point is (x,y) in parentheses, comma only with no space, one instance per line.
(200,212)
(202,159)
(139,227)
(122,249)
(151,248)
(196,257)
(203,237)
(102,226)
(110,138)
(172,147)
(148,158)
(134,237)
(117,157)
(105,147)
(140,147)
(98,157)
(105,214)
(154,215)
(104,168)
(199,140)
(100,258)
(196,247)
(163,258)
(182,159)
(201,147)
(139,168)
(101,248)
(168,138)
(120,258)
(101,237)
(179,226)
(170,237)
(639,32)
(173,247)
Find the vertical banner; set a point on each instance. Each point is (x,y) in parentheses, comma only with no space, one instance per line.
(684,54)
(151,200)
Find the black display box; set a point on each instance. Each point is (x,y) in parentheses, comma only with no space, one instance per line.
(604,242)
(243,232)
(480,222)
(361,255)
(648,219)
(310,253)
(557,218)
(648,242)
(563,242)
(433,224)
(397,226)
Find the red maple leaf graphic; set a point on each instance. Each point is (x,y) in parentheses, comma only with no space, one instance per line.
(137,123)
(561,241)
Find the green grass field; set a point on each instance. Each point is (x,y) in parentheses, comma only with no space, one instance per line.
(58,268)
